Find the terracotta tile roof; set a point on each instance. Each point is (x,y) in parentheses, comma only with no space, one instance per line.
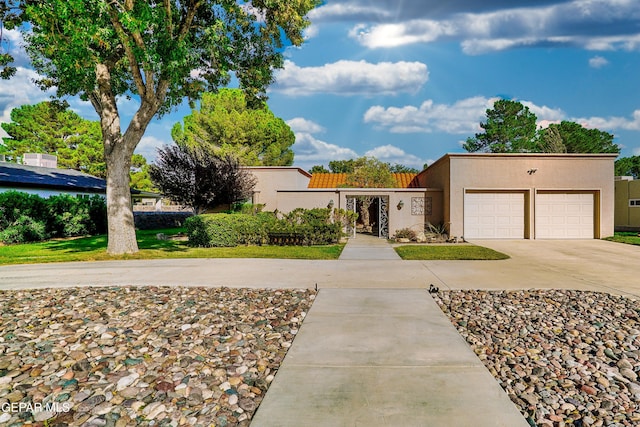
(327,180)
(406,180)
(335,180)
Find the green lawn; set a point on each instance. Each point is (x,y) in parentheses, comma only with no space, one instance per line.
(628,237)
(94,249)
(448,252)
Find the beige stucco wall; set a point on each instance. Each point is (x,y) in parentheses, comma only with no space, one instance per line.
(626,216)
(271,179)
(437,176)
(306,199)
(459,172)
(404,217)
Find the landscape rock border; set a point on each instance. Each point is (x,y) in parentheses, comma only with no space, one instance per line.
(564,357)
(162,356)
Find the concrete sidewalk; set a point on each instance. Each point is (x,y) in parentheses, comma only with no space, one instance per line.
(382,357)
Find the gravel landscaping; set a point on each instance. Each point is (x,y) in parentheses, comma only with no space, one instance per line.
(161,356)
(565,358)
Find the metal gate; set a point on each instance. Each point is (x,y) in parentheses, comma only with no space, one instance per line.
(383,216)
(351,207)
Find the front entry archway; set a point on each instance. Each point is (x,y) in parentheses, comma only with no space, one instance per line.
(378,215)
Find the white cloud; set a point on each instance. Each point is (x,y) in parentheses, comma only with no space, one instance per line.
(19,91)
(392,154)
(310,151)
(311,31)
(636,151)
(461,117)
(544,113)
(611,123)
(302,125)
(13,43)
(148,146)
(593,24)
(394,35)
(598,62)
(345,10)
(611,43)
(352,78)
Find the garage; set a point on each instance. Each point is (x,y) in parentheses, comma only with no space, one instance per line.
(564,215)
(494,215)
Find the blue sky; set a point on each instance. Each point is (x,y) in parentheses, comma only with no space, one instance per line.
(407,81)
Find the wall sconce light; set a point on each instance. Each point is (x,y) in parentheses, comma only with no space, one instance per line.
(400,204)
(330,205)
(532,171)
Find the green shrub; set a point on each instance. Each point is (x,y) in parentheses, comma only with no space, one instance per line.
(225,230)
(211,230)
(70,216)
(23,230)
(254,229)
(16,204)
(316,225)
(62,216)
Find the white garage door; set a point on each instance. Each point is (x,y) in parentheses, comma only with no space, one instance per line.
(494,216)
(564,216)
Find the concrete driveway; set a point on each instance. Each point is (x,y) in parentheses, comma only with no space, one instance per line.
(573,264)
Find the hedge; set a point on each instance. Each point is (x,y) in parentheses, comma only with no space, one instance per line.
(301,226)
(226,230)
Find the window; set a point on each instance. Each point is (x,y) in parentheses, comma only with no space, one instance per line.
(634,203)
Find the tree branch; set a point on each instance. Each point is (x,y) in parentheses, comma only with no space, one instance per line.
(185,25)
(94,98)
(167,9)
(144,90)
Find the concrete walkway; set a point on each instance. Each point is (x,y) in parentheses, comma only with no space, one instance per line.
(381,357)
(366,247)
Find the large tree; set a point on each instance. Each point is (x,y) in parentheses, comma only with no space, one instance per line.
(318,169)
(341,166)
(628,166)
(399,168)
(195,178)
(51,128)
(510,128)
(159,52)
(226,124)
(571,137)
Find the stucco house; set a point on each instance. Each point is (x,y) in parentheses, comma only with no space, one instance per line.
(476,195)
(627,212)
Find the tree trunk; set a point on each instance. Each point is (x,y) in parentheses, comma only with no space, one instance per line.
(118,150)
(122,233)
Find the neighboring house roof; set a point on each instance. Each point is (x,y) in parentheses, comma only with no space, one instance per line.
(22,176)
(336,180)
